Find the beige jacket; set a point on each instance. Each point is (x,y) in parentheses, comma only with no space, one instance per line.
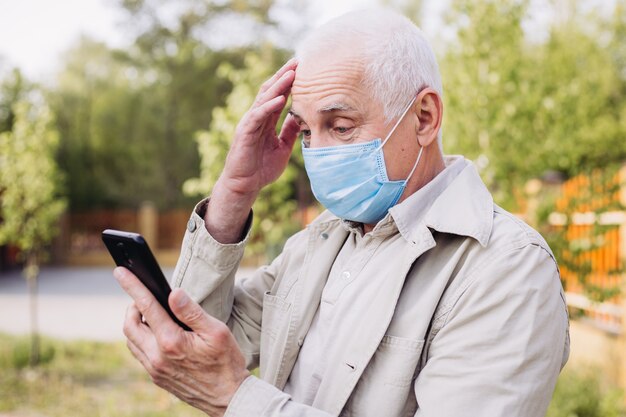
(469,320)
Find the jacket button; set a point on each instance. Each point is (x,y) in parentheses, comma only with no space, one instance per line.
(191,226)
(324,236)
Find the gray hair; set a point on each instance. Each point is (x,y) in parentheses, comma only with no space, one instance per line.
(398,60)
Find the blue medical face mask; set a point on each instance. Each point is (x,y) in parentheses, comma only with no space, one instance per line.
(351,180)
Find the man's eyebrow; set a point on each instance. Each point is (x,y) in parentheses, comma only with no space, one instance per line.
(294,114)
(336,107)
(326,109)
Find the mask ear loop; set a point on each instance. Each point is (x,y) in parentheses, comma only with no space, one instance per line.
(419,156)
(393,129)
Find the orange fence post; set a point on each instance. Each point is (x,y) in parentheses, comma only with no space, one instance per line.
(148,219)
(622,252)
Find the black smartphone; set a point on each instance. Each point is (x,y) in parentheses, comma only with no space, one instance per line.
(131,251)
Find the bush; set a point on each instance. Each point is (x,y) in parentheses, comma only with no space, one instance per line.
(584,394)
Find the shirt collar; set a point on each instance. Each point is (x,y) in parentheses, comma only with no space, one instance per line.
(456,201)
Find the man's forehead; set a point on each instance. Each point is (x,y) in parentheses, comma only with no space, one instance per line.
(329,81)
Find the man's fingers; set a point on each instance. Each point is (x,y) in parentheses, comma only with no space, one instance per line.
(272,122)
(148,306)
(280,87)
(133,322)
(140,339)
(192,314)
(134,329)
(289,132)
(257,117)
(276,116)
(289,65)
(139,355)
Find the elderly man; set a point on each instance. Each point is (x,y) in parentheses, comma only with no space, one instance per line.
(414,294)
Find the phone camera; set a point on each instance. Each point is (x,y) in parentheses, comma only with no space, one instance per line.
(127,258)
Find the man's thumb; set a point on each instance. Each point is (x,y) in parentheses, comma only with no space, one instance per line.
(188,311)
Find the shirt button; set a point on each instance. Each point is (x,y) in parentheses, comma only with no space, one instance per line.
(191,226)
(345,275)
(324,236)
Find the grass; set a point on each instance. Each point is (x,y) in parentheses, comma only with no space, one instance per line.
(80,378)
(86,378)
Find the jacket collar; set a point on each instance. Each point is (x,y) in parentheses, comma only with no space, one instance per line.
(463,207)
(456,201)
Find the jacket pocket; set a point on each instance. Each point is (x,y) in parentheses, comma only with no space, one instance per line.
(397,359)
(274,330)
(385,388)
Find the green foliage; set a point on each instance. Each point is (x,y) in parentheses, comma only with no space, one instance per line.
(521,107)
(12,89)
(276,205)
(128,117)
(127,129)
(583,394)
(30,202)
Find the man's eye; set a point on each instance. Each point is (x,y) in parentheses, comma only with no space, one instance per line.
(306,133)
(343,130)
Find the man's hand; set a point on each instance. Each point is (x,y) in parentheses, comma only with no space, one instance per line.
(257,157)
(204,368)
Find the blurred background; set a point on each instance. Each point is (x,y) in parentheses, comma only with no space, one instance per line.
(119,114)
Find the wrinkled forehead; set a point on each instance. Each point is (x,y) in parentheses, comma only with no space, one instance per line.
(325,79)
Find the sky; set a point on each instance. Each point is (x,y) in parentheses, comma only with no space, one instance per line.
(34,33)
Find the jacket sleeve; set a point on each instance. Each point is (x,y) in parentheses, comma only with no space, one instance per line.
(259,398)
(206,271)
(503,343)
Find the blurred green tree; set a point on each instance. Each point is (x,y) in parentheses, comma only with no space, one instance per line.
(13,87)
(98,106)
(183,43)
(127,117)
(485,87)
(30,203)
(521,107)
(119,147)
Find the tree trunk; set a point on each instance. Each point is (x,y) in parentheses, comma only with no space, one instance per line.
(31,272)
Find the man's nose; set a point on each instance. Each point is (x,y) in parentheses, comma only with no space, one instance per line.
(320,140)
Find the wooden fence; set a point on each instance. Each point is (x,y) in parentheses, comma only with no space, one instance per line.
(85,228)
(79,241)
(590,214)
(590,219)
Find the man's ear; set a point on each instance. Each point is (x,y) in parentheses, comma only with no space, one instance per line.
(428,108)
